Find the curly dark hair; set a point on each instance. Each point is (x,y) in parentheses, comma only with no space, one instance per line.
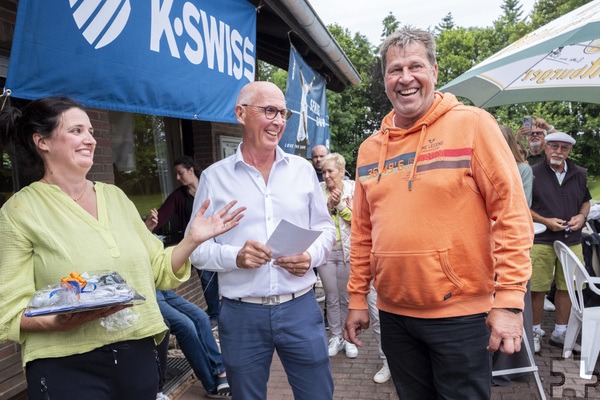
(17,127)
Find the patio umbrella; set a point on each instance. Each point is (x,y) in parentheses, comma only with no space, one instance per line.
(558,62)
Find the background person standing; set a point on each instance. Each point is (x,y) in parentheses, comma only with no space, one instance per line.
(534,135)
(561,201)
(318,153)
(336,270)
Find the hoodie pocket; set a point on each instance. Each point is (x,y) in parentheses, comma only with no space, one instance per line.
(415,279)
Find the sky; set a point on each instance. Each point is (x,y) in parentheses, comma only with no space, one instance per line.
(367,17)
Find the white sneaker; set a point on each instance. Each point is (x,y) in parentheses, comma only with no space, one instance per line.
(559,341)
(351,350)
(335,345)
(540,331)
(319,283)
(162,396)
(537,341)
(548,306)
(383,375)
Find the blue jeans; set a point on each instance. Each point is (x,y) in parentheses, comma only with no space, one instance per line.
(250,333)
(210,286)
(443,358)
(191,326)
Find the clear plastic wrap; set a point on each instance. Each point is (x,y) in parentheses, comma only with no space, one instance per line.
(83,292)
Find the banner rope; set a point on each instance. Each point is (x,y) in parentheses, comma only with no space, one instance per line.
(5,94)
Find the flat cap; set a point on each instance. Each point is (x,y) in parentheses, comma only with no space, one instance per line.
(559,137)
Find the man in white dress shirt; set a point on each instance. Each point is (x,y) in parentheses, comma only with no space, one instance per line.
(268,304)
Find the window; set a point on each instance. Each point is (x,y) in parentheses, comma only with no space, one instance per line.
(142,147)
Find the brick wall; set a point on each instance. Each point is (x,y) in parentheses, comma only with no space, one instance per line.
(8,14)
(102,170)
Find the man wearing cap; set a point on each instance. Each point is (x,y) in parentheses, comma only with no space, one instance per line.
(561,201)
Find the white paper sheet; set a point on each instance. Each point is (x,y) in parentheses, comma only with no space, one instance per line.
(290,240)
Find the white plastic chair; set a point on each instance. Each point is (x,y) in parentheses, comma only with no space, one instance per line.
(581,318)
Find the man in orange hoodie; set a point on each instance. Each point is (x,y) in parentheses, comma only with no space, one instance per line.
(441,224)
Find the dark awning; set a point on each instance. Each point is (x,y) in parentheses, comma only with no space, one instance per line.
(279,21)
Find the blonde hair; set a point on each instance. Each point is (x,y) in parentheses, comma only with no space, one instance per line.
(510,138)
(336,158)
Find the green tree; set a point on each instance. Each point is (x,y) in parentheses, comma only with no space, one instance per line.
(456,53)
(270,73)
(446,24)
(512,11)
(545,11)
(350,119)
(379,104)
(390,25)
(357,112)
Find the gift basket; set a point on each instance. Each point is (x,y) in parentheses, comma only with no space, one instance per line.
(82,292)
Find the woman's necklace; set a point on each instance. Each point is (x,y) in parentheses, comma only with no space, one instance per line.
(80,196)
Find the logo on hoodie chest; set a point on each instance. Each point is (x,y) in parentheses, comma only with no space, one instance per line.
(434,155)
(432,144)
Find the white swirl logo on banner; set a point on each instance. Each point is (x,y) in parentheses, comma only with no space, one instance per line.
(100,21)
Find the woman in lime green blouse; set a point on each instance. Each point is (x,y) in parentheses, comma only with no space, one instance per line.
(62,223)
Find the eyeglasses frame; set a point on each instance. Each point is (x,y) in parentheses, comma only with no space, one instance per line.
(285,113)
(563,147)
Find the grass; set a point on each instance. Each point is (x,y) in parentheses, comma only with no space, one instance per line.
(145,203)
(594,185)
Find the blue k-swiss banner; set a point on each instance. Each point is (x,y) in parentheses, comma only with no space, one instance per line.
(305,96)
(183,59)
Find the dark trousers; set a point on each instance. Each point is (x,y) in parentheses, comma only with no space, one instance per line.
(162,355)
(210,287)
(444,358)
(123,370)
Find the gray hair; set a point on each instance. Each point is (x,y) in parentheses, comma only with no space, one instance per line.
(405,36)
(336,158)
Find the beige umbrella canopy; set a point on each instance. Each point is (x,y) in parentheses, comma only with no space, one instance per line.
(558,62)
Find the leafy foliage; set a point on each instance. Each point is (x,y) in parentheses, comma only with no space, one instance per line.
(357,112)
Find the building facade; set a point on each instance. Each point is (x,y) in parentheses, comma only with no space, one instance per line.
(136,152)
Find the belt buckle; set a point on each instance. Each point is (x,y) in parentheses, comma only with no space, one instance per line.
(270,300)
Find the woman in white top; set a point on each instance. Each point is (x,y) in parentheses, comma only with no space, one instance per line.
(336,271)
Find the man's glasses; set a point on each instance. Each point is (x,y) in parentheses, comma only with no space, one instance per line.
(555,146)
(538,133)
(271,111)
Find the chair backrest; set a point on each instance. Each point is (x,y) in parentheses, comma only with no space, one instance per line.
(575,273)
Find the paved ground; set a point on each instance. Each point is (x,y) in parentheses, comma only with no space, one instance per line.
(354,378)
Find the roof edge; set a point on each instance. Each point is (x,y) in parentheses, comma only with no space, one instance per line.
(306,23)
